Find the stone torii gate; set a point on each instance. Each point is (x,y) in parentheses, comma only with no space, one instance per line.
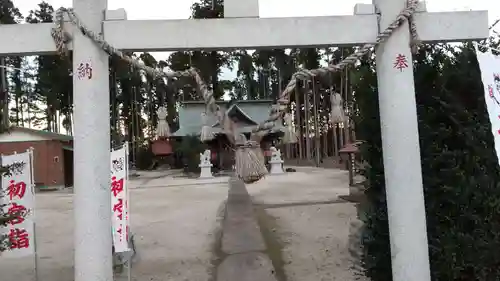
(242,28)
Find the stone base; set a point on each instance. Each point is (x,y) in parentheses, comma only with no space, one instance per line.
(206,172)
(276,167)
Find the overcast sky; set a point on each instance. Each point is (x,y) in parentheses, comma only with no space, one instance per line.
(179,9)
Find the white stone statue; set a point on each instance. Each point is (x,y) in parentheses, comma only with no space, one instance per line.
(205,157)
(205,165)
(162,130)
(275,154)
(276,162)
(337,113)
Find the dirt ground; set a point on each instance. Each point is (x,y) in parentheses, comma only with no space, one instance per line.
(309,222)
(175,222)
(174,234)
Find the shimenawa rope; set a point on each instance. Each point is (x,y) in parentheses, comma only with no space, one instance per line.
(249,159)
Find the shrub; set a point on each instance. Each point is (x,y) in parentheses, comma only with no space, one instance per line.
(189,149)
(144,158)
(460,170)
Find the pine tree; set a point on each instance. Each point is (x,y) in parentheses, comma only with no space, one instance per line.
(54,85)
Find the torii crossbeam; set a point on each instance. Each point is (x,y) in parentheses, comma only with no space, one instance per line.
(242,28)
(246,32)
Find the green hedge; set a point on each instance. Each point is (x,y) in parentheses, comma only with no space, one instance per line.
(460,171)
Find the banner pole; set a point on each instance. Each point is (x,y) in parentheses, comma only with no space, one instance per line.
(129,234)
(129,269)
(33,189)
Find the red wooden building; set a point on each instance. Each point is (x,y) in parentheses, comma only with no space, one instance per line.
(53,155)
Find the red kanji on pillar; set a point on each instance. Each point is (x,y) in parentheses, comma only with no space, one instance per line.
(401,62)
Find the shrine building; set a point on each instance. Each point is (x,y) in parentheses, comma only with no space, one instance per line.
(245,114)
(53,155)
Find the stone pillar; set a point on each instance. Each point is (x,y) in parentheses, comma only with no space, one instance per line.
(400,142)
(92,197)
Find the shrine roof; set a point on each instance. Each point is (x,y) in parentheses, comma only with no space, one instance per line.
(251,112)
(235,111)
(42,134)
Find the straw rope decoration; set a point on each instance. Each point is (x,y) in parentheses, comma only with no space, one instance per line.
(250,165)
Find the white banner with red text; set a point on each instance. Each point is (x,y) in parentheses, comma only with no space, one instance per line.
(17,199)
(120,199)
(489,64)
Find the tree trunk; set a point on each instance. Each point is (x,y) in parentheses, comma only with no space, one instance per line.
(215,75)
(4,91)
(169,97)
(299,121)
